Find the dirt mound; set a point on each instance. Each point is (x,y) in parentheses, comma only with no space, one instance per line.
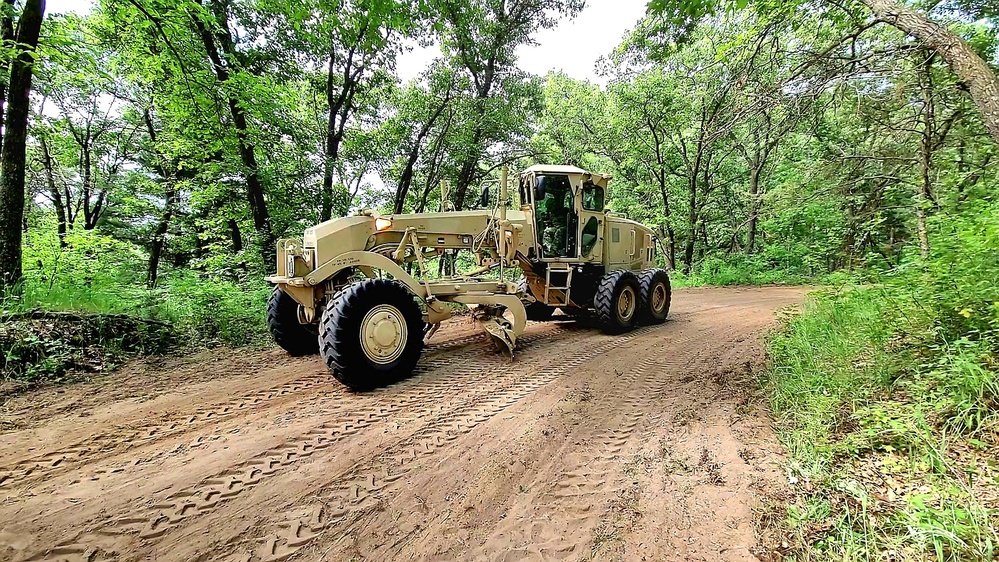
(45,346)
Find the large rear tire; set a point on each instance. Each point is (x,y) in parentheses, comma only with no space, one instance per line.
(282,320)
(371,334)
(655,296)
(537,310)
(616,301)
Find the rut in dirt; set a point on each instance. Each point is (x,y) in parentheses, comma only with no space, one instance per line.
(586,446)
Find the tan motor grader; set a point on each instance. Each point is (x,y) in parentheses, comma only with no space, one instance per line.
(345,289)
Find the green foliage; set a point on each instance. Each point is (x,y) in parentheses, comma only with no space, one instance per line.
(53,347)
(962,277)
(887,397)
(100,275)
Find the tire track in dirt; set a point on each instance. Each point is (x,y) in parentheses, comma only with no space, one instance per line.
(475,457)
(418,395)
(369,483)
(619,415)
(109,444)
(590,478)
(583,486)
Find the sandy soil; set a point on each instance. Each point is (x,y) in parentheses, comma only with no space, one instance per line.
(646,446)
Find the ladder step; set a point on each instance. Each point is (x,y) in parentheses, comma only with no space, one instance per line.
(553,270)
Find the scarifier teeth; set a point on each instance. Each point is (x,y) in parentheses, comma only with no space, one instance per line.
(502,337)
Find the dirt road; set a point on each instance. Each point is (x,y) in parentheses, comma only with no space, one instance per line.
(647,446)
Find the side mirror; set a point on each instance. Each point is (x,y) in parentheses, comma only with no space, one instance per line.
(484,197)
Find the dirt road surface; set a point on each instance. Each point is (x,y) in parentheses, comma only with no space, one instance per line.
(646,446)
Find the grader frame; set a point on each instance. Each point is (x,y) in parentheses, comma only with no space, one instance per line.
(317,296)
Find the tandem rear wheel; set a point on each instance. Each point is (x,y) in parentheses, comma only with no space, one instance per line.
(625,299)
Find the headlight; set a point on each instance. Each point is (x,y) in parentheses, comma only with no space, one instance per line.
(382,223)
(289,266)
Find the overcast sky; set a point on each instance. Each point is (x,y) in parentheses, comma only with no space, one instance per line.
(573,47)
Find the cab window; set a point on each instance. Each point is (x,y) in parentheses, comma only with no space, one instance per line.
(555,215)
(593,197)
(589,238)
(525,190)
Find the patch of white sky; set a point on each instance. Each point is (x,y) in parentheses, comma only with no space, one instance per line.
(67,6)
(573,46)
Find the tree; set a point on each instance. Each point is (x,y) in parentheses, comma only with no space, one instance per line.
(12,157)
(482,38)
(981,80)
(213,28)
(419,111)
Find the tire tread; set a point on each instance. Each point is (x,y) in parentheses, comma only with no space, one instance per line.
(646,279)
(339,337)
(282,322)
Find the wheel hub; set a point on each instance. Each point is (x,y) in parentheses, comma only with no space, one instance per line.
(626,303)
(659,297)
(383,334)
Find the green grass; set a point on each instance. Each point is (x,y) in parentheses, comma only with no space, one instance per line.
(890,428)
(97,274)
(756,269)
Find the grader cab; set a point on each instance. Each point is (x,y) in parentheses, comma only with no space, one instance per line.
(364,291)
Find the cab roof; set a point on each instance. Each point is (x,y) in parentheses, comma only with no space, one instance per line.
(555,169)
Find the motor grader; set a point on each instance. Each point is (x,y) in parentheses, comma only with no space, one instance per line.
(364,292)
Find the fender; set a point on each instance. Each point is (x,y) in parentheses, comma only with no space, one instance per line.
(367,262)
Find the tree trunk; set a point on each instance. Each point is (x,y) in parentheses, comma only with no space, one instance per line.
(12,160)
(406,179)
(254,186)
(467,175)
(237,237)
(56,193)
(670,234)
(7,33)
(671,237)
(754,208)
(159,237)
(331,147)
(928,118)
(982,82)
(468,168)
(688,251)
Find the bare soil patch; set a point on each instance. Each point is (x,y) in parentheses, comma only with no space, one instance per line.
(646,446)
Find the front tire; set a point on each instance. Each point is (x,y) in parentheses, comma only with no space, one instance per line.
(616,301)
(655,296)
(371,334)
(282,320)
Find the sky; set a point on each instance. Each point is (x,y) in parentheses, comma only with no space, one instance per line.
(574,46)
(63,6)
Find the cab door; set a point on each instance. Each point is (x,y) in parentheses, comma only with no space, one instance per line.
(590,202)
(556,221)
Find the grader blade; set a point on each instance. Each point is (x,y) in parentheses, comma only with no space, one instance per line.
(503,338)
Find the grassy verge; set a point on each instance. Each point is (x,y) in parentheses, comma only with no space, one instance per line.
(102,280)
(756,269)
(889,415)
